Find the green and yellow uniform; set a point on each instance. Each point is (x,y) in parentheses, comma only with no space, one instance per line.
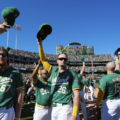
(110,83)
(62,85)
(91,83)
(10,80)
(86,82)
(43,92)
(81,81)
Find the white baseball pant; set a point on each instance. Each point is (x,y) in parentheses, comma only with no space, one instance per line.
(86,94)
(42,113)
(111,109)
(83,105)
(63,112)
(92,92)
(7,114)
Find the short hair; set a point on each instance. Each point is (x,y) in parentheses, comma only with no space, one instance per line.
(3,49)
(84,75)
(62,53)
(28,78)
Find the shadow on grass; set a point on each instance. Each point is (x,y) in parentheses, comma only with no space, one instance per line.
(27,111)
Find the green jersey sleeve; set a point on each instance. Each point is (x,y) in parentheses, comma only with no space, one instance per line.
(79,76)
(117,71)
(102,84)
(19,82)
(76,82)
(53,70)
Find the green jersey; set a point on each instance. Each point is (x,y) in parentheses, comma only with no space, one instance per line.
(86,82)
(43,92)
(63,84)
(110,83)
(91,83)
(10,80)
(81,81)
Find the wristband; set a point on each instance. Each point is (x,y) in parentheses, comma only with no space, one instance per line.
(83,65)
(38,65)
(117,61)
(75,110)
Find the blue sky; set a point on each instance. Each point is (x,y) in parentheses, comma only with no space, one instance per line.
(89,22)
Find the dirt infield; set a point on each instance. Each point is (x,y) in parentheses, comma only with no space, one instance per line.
(91,113)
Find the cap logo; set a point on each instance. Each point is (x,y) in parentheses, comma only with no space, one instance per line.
(16,15)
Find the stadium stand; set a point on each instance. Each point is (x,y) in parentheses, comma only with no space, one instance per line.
(23,60)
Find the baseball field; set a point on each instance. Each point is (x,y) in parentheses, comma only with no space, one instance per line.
(28,109)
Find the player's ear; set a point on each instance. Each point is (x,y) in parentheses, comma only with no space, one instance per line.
(57,61)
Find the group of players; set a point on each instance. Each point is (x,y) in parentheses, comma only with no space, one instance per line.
(54,88)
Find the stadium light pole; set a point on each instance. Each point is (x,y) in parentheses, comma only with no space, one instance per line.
(16,27)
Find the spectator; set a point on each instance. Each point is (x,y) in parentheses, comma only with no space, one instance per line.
(31,93)
(27,86)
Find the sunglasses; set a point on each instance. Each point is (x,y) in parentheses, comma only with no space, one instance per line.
(65,59)
(3,54)
(46,73)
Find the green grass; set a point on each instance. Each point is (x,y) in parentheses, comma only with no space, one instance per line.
(96,85)
(27,111)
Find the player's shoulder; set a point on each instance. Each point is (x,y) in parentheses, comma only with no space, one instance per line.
(13,70)
(54,69)
(117,71)
(72,72)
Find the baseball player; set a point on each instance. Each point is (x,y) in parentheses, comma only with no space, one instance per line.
(43,94)
(91,85)
(81,92)
(11,84)
(64,83)
(109,91)
(30,93)
(86,87)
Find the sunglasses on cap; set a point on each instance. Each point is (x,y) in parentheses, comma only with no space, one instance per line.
(65,59)
(3,54)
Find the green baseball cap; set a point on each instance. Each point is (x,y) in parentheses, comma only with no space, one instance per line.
(8,49)
(41,68)
(38,57)
(44,30)
(82,59)
(9,14)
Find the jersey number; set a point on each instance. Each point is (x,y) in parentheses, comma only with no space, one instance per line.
(117,88)
(62,90)
(3,88)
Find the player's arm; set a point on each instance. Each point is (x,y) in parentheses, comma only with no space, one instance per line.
(99,97)
(101,92)
(2,28)
(34,74)
(92,77)
(18,103)
(76,100)
(46,65)
(117,62)
(76,88)
(83,68)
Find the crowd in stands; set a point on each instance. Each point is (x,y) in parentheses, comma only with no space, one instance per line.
(23,53)
(22,65)
(106,57)
(73,67)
